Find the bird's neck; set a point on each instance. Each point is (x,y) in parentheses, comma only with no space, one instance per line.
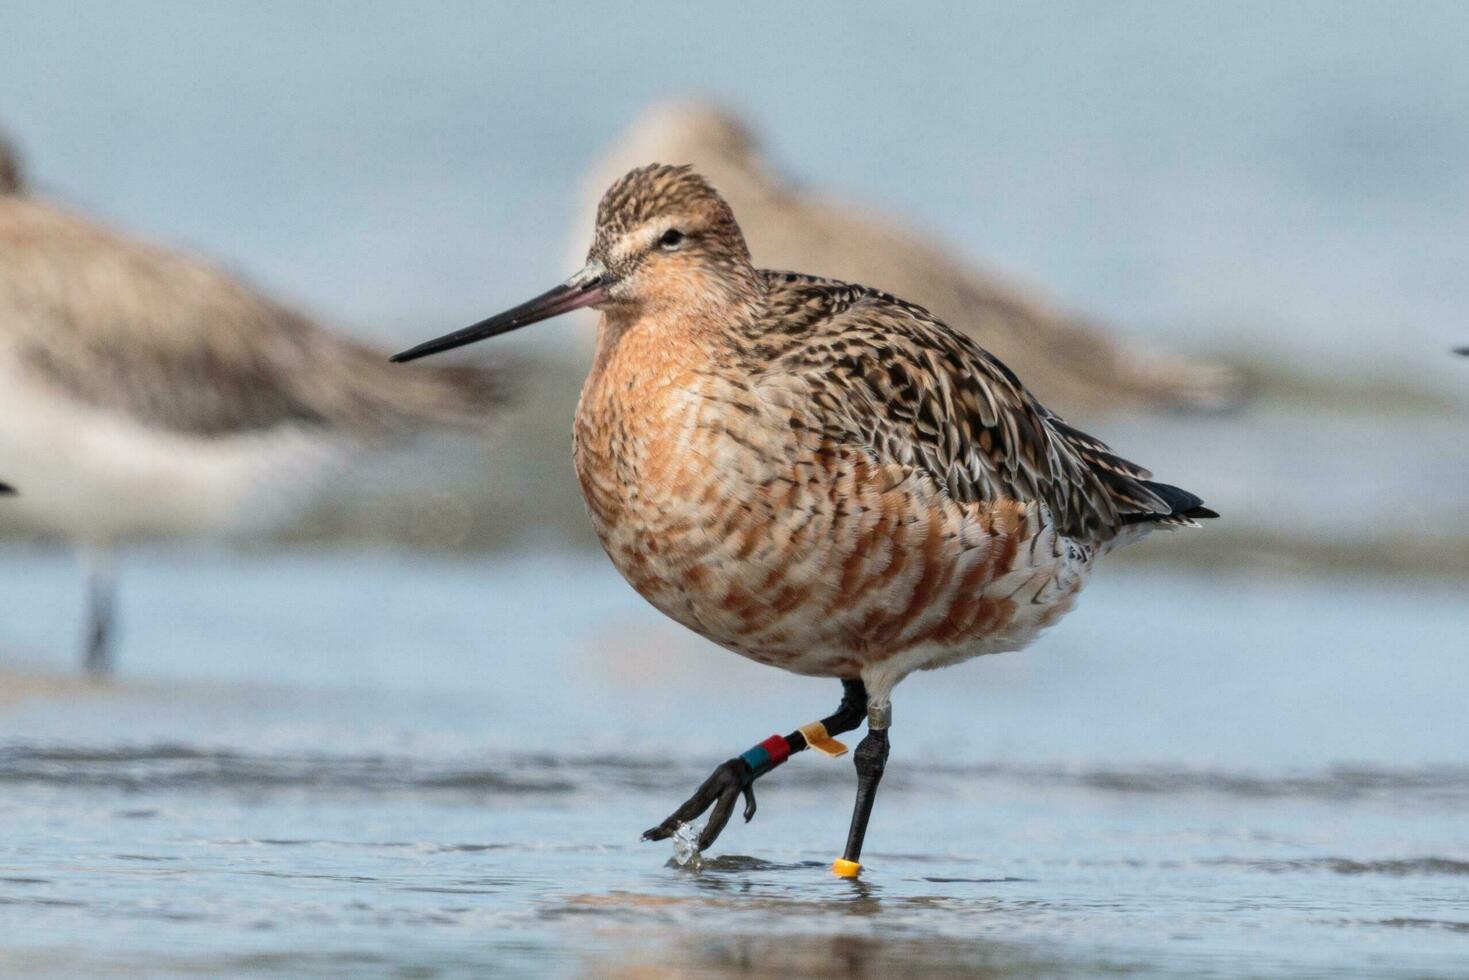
(654,365)
(640,352)
(679,328)
(651,359)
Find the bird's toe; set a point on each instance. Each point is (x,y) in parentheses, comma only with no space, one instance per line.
(721,790)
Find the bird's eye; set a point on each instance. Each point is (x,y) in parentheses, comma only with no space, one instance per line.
(671,238)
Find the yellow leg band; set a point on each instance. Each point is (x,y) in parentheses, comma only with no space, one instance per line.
(817,739)
(844,868)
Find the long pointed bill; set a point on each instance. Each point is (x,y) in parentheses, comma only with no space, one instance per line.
(586,288)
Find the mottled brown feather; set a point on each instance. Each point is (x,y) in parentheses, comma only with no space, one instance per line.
(889,378)
(818,475)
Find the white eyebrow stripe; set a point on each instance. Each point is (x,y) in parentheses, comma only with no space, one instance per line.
(641,238)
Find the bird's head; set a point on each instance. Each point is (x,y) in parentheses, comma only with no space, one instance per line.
(665,240)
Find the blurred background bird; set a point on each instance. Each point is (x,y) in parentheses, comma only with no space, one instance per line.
(1072,362)
(145,393)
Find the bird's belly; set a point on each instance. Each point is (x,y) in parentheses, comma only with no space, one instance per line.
(102,477)
(832,585)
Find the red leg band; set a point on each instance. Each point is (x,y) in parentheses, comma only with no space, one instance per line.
(779,749)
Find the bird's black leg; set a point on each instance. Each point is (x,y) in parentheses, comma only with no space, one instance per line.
(97,652)
(737,776)
(871,759)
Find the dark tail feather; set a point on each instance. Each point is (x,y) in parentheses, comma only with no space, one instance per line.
(6,488)
(1183,507)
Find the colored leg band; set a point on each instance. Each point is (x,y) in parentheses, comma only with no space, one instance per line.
(817,739)
(767,755)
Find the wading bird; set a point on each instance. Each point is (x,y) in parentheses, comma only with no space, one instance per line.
(1072,362)
(145,393)
(817,475)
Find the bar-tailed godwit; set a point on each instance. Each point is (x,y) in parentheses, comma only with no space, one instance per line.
(145,393)
(817,475)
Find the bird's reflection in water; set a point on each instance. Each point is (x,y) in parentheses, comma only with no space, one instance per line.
(761,918)
(844,955)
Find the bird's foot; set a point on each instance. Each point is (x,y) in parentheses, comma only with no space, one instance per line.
(725,785)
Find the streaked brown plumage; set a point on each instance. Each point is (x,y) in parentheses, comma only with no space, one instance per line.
(776,446)
(815,474)
(1073,362)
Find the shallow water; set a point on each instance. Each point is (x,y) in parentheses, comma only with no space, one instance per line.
(379,763)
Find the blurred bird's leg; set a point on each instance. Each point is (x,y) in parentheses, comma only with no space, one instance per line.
(738,775)
(871,759)
(101,589)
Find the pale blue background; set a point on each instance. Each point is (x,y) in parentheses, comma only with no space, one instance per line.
(1247,176)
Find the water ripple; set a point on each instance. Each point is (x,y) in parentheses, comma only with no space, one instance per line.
(1395,867)
(187,767)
